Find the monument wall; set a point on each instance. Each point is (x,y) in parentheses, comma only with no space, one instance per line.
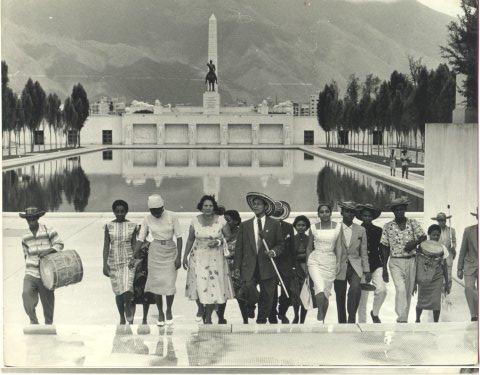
(451,173)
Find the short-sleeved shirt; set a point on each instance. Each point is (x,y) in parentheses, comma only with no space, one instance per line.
(405,160)
(396,239)
(160,229)
(42,243)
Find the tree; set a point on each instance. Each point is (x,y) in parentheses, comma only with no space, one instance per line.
(20,123)
(382,110)
(82,107)
(327,109)
(71,118)
(350,112)
(8,106)
(27,105)
(51,114)
(462,49)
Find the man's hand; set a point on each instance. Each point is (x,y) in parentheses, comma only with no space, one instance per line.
(414,289)
(410,246)
(106,270)
(460,274)
(131,263)
(178,263)
(368,277)
(185,263)
(385,276)
(454,253)
(271,253)
(448,287)
(236,273)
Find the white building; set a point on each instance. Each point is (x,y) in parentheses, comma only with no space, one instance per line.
(313,103)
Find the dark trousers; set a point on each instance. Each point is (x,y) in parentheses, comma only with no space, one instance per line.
(283,302)
(267,293)
(354,294)
(32,288)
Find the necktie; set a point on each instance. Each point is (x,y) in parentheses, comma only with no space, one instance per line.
(259,240)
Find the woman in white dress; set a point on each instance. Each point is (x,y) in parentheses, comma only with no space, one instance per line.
(208,280)
(322,259)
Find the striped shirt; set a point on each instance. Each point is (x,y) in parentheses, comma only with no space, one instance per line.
(44,242)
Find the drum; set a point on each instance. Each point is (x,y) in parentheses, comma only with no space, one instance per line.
(432,247)
(61,269)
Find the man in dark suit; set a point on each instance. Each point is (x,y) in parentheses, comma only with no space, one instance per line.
(468,267)
(285,263)
(352,243)
(252,262)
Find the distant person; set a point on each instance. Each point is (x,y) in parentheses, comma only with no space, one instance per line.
(352,248)
(430,273)
(118,244)
(400,238)
(285,263)
(301,225)
(37,243)
(367,213)
(208,278)
(405,160)
(448,238)
(164,254)
(323,257)
(468,267)
(253,260)
(393,163)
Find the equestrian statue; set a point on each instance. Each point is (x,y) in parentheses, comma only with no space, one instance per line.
(211,77)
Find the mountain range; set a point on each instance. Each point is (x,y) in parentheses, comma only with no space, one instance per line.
(147,50)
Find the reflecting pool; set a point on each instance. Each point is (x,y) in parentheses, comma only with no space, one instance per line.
(91,182)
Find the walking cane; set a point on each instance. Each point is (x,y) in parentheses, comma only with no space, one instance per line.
(276,269)
(450,224)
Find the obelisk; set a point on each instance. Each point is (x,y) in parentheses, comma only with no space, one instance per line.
(211,99)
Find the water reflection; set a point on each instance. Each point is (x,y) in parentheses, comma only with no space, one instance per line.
(92,181)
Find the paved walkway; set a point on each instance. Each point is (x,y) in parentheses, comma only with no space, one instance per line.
(413,184)
(86,315)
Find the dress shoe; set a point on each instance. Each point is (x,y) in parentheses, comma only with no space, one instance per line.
(474,319)
(222,321)
(375,318)
(261,321)
(284,319)
(295,320)
(273,320)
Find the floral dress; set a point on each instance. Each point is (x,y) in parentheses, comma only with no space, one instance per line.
(208,275)
(121,234)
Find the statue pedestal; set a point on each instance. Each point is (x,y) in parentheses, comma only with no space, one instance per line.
(211,103)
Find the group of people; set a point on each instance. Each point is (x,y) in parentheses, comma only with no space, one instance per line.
(404,162)
(250,260)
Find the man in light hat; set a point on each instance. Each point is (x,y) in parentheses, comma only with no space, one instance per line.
(285,262)
(253,261)
(449,240)
(37,243)
(400,238)
(354,264)
(468,267)
(367,213)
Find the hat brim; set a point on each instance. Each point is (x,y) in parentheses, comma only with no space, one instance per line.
(474,214)
(347,207)
(437,218)
(284,214)
(375,212)
(391,206)
(37,215)
(270,203)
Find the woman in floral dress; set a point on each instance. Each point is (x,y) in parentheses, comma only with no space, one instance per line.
(119,240)
(207,277)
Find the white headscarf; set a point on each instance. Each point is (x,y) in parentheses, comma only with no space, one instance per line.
(155,201)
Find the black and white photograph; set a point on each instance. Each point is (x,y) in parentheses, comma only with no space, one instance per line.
(241,186)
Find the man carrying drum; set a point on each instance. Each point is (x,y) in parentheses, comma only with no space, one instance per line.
(37,243)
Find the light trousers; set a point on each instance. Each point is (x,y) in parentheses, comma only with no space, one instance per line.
(379,296)
(403,273)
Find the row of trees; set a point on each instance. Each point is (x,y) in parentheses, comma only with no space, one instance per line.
(33,110)
(405,102)
(399,106)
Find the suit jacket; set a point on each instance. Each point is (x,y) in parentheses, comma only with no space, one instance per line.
(468,257)
(286,260)
(356,253)
(246,256)
(374,234)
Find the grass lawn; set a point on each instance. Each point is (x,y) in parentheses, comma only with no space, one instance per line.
(383,160)
(6,157)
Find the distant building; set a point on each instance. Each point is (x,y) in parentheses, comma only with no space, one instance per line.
(305,110)
(108,106)
(283,108)
(313,105)
(296,109)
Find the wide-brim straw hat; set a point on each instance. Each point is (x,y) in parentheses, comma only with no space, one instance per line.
(441,216)
(32,212)
(402,201)
(269,202)
(282,210)
(376,212)
(348,205)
